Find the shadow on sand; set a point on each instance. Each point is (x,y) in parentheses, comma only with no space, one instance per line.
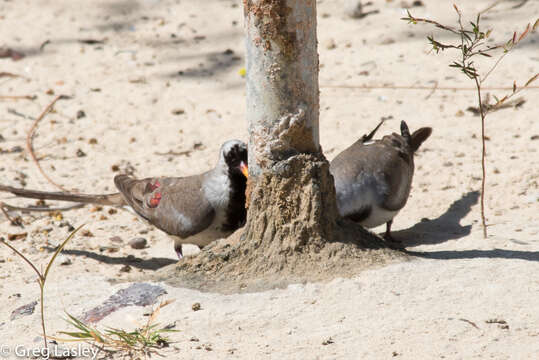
(144,264)
(428,232)
(447,227)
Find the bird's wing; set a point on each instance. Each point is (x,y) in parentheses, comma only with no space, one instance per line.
(397,168)
(175,205)
(354,183)
(379,173)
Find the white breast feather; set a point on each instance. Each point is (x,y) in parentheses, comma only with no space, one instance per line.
(216,190)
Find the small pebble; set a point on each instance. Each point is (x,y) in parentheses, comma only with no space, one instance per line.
(388,41)
(196,306)
(80,114)
(87,233)
(354,9)
(328,341)
(136,79)
(116,239)
(24,310)
(125,269)
(64,260)
(138,243)
(330,44)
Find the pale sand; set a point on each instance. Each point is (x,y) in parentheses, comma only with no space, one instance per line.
(419,309)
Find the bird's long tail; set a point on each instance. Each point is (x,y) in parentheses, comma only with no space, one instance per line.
(102,199)
(405,132)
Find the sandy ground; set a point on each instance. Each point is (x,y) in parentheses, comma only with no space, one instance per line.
(166,80)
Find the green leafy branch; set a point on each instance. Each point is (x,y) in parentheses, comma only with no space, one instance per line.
(473,43)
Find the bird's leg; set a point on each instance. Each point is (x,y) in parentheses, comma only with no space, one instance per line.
(387,235)
(179,251)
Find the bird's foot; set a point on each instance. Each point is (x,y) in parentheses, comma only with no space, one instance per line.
(393,243)
(390,239)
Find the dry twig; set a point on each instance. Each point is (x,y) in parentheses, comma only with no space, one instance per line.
(30,137)
(13,222)
(18,97)
(418,87)
(114,199)
(4,206)
(470,322)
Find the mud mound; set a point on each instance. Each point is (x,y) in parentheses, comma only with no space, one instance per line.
(294,236)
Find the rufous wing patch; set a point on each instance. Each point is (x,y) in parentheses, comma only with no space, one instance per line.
(155,200)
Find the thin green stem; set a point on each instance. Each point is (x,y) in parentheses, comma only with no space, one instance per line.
(484,78)
(42,288)
(483,157)
(42,277)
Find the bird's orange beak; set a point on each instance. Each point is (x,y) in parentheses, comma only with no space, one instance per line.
(244,169)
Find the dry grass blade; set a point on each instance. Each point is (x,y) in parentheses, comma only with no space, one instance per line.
(12,221)
(531,80)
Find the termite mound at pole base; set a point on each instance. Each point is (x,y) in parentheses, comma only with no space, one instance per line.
(293,235)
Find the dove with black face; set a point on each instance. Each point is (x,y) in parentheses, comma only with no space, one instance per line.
(373,178)
(195,209)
